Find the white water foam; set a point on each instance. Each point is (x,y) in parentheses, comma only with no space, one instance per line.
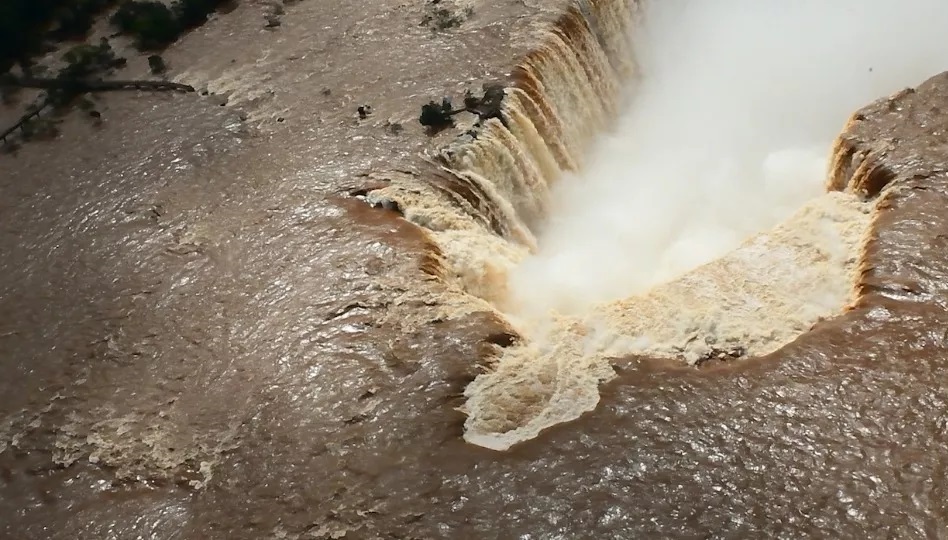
(727,134)
(652,249)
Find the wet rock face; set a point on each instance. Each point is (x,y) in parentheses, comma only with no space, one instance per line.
(841,409)
(902,137)
(899,143)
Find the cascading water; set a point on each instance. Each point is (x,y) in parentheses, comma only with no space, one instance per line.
(524,218)
(493,191)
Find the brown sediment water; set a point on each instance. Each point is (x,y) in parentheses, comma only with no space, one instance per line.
(751,302)
(203,336)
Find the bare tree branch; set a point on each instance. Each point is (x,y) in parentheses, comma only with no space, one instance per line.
(76,87)
(23,120)
(81,86)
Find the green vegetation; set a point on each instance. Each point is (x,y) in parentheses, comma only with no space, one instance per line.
(29,27)
(26,26)
(72,20)
(83,61)
(155,25)
(86,67)
(152,24)
(437,118)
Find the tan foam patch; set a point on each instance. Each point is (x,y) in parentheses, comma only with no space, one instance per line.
(756,299)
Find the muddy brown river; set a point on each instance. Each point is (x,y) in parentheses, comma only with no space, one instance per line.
(196,333)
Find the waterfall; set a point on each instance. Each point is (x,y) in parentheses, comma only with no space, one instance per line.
(488,192)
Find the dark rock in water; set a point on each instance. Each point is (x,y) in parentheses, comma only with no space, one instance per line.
(470,100)
(438,117)
(364,111)
(716,355)
(273,22)
(218,99)
(491,105)
(435,118)
(157,64)
(502,339)
(389,204)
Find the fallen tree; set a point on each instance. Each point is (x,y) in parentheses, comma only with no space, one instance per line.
(81,86)
(24,120)
(63,90)
(437,117)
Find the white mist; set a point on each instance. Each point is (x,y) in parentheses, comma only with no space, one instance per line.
(727,133)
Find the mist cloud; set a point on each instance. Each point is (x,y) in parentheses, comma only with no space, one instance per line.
(727,133)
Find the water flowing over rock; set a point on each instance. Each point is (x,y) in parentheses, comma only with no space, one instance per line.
(212,335)
(765,294)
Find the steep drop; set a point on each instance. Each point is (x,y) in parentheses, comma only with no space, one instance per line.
(601,254)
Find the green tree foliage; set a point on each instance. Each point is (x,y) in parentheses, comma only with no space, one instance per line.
(83,61)
(193,13)
(72,20)
(439,117)
(155,25)
(152,24)
(26,24)
(87,60)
